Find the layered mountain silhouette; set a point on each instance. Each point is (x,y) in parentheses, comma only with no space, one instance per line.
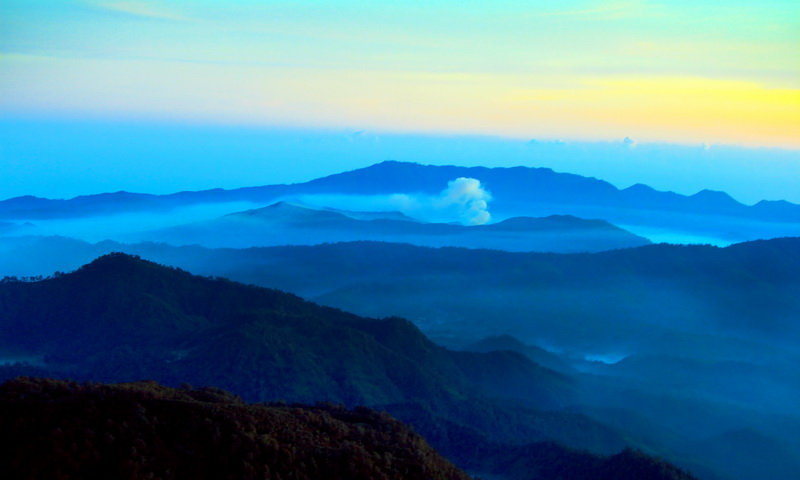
(518,191)
(152,316)
(543,185)
(509,343)
(674,346)
(746,290)
(288,224)
(120,318)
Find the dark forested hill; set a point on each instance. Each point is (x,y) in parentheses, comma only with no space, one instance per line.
(607,301)
(121,318)
(60,430)
(57,429)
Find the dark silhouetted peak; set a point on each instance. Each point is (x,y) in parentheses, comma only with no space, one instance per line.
(778,209)
(283,205)
(117,259)
(388,167)
(393,163)
(25,201)
(379,215)
(118,263)
(715,198)
(633,464)
(774,203)
(552,222)
(288,212)
(640,188)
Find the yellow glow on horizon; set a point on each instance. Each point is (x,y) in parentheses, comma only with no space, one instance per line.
(691,109)
(652,108)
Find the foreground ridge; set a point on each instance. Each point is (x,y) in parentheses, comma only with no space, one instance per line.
(66,430)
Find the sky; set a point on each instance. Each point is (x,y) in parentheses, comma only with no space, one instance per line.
(691,74)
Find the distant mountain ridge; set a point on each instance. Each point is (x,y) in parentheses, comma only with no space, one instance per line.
(547,186)
(284,223)
(508,185)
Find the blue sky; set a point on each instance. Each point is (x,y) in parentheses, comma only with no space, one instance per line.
(65,158)
(586,72)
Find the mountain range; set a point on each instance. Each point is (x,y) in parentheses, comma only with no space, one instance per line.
(518,191)
(542,350)
(747,290)
(284,223)
(663,342)
(121,318)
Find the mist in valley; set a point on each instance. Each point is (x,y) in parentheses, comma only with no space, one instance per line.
(690,350)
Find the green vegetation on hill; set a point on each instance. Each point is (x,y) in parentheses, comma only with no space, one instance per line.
(61,430)
(121,318)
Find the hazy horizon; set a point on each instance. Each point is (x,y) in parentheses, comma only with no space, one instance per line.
(158,96)
(499,281)
(63,158)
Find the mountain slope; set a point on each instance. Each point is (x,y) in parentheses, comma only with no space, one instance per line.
(747,289)
(509,343)
(287,224)
(121,318)
(143,430)
(120,302)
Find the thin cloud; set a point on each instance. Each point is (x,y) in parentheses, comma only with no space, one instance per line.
(141,10)
(607,10)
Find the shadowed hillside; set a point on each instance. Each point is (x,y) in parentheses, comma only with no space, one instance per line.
(60,430)
(121,318)
(706,335)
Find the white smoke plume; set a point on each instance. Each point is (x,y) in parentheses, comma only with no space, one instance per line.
(469,198)
(464,201)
